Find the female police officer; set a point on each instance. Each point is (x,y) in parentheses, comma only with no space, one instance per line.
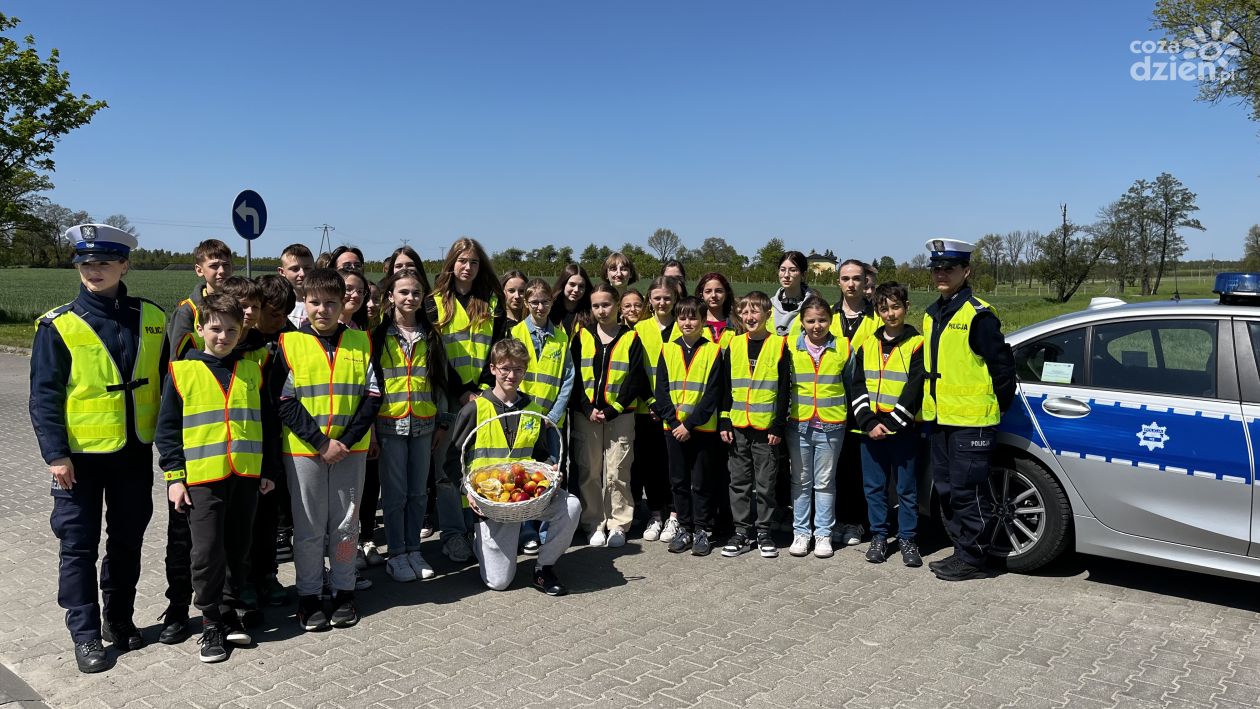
(96,369)
(970,381)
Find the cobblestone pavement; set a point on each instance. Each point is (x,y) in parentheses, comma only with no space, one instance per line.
(643,627)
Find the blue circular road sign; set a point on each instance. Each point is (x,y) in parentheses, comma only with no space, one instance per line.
(249,214)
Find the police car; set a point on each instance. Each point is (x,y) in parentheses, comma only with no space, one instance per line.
(1134,435)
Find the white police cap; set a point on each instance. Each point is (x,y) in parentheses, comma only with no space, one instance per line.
(99,242)
(950,250)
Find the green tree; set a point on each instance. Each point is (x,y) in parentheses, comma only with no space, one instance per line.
(769,255)
(886,265)
(508,257)
(1068,255)
(1174,205)
(37,108)
(647,264)
(1198,26)
(989,250)
(1251,249)
(1138,211)
(665,243)
(564,254)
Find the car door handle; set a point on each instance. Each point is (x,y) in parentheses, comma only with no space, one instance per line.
(1065,407)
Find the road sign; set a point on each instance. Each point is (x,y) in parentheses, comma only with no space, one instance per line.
(249,214)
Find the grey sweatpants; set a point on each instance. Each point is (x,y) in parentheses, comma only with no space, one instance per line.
(496,541)
(325,507)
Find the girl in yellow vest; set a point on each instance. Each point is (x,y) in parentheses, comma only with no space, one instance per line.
(689,390)
(852,319)
(887,396)
(719,300)
(610,380)
(467,308)
(214,422)
(328,395)
(815,441)
(619,271)
(514,311)
(412,362)
(650,459)
(572,297)
(631,307)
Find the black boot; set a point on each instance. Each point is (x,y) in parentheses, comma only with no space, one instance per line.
(91,656)
(123,634)
(174,625)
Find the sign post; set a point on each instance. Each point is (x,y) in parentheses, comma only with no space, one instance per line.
(249,218)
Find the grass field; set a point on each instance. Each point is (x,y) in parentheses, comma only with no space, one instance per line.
(27,293)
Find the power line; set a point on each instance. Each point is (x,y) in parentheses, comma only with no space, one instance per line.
(325,245)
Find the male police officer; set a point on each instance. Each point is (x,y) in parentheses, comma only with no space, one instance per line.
(96,369)
(970,382)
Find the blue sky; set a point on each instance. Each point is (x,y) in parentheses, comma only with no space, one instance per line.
(831,125)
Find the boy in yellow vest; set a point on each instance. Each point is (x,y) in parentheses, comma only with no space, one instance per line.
(327,395)
(753,416)
(515,438)
(887,392)
(210,436)
(96,369)
(212,261)
(688,394)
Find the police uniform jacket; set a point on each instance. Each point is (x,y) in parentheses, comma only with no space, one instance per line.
(986,340)
(117,321)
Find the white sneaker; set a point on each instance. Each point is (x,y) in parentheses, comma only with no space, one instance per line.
(399,569)
(419,565)
(457,549)
(653,531)
(597,539)
(360,561)
(372,554)
(670,530)
(616,538)
(822,547)
(851,534)
(800,545)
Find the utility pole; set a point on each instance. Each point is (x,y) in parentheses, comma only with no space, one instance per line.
(325,244)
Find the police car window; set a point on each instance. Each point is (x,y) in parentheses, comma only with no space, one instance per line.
(1054,359)
(1176,357)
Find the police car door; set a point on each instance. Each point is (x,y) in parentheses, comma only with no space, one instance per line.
(1247,339)
(1151,433)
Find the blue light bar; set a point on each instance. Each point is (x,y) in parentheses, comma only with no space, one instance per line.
(1237,286)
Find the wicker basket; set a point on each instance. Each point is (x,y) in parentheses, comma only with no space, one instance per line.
(511,511)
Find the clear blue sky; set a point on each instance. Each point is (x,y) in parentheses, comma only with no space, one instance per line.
(862,128)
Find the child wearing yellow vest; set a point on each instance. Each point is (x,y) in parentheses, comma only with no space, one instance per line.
(610,380)
(651,461)
(816,438)
(753,416)
(852,319)
(688,394)
(210,436)
(887,394)
(327,394)
(212,262)
(514,438)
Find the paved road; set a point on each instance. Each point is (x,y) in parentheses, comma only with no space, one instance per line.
(646,628)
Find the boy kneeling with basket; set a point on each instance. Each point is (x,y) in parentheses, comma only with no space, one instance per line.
(498,445)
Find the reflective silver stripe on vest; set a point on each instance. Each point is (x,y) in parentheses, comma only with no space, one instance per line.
(479,453)
(217,416)
(828,379)
(756,408)
(462,361)
(479,339)
(825,401)
(307,391)
(888,375)
(403,371)
(619,366)
(341,420)
(539,378)
(740,382)
(544,402)
(211,450)
(885,399)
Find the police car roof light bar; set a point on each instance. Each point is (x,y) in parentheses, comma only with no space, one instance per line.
(1238,288)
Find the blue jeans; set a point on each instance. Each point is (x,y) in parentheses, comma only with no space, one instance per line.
(404,488)
(890,460)
(814,454)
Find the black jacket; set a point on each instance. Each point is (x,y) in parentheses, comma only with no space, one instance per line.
(911,399)
(117,321)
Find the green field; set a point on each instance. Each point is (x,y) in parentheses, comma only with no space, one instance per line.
(27,293)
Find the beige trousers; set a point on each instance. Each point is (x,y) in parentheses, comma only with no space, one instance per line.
(604,454)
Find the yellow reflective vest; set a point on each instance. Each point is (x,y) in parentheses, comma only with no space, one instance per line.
(886,378)
(330,392)
(818,388)
(490,445)
(223,432)
(687,382)
(618,373)
(649,332)
(958,390)
(96,394)
(467,343)
(406,390)
(545,371)
(192,340)
(866,327)
(753,392)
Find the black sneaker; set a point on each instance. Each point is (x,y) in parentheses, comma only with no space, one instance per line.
(700,544)
(736,545)
(284,545)
(959,570)
(212,647)
(344,613)
(310,614)
(681,542)
(910,554)
(765,543)
(877,553)
(274,592)
(123,634)
(545,580)
(174,625)
(235,629)
(942,563)
(91,657)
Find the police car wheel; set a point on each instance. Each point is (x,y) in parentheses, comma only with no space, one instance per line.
(1033,515)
